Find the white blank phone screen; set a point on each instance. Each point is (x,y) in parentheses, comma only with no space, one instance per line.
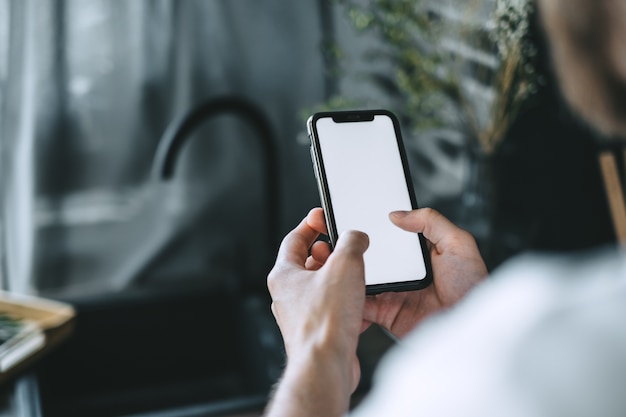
(366,182)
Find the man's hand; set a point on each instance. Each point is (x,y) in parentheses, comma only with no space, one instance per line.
(457,267)
(319,310)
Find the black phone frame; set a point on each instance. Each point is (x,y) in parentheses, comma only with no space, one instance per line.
(355,116)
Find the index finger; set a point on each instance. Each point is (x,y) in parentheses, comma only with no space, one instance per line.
(294,249)
(317,221)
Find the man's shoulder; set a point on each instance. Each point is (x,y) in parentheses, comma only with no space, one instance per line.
(536,288)
(540,337)
(606,264)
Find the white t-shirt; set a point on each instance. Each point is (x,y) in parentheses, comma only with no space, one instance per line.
(544,336)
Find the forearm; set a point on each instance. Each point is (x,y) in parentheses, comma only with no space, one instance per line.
(316,384)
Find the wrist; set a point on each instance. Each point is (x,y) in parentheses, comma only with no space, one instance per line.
(317,378)
(332,356)
(325,341)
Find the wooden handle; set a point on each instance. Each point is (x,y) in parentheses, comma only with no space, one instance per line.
(615,195)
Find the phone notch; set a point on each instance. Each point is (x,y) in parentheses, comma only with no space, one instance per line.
(353,117)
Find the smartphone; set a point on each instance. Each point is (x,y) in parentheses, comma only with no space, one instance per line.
(362,173)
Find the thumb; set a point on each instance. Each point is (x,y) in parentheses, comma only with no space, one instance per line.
(432,224)
(352,242)
(346,260)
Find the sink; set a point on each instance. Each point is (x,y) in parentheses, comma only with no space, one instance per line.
(142,352)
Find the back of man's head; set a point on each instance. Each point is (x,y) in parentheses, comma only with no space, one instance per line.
(587,40)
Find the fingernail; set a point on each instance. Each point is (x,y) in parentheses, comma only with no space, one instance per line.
(399,214)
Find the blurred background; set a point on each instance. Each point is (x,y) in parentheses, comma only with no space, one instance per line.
(154,152)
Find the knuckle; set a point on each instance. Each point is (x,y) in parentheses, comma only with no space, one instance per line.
(272,279)
(463,239)
(430,212)
(278,277)
(465,236)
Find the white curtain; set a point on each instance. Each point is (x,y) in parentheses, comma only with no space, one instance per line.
(87,89)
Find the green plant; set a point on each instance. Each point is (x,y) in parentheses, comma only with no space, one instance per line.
(433,56)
